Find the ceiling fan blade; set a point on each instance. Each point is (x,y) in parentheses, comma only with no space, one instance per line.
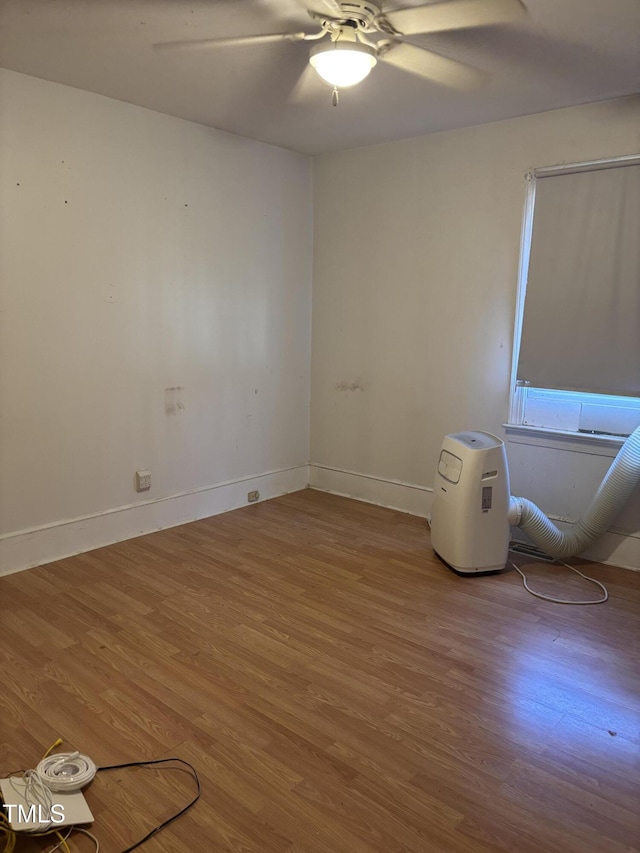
(233,41)
(331,7)
(454,15)
(432,66)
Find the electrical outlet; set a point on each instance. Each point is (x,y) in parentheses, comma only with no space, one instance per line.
(253,496)
(143,480)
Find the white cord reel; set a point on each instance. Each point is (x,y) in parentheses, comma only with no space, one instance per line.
(66,772)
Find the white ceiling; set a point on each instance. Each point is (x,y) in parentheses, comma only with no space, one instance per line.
(563,52)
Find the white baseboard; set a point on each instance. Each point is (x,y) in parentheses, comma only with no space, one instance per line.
(36,546)
(406,497)
(614,548)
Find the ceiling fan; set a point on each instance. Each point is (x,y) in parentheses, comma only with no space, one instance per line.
(355,34)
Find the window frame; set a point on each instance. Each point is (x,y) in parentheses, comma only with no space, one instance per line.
(520,393)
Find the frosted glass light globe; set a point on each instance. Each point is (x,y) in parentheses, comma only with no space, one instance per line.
(342,63)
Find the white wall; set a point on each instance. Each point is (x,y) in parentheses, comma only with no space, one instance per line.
(415,274)
(155,296)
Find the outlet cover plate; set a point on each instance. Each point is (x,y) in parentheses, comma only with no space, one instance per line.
(143,480)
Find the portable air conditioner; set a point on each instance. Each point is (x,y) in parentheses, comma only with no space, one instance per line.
(469,525)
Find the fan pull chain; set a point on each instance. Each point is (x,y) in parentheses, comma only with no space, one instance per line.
(335,97)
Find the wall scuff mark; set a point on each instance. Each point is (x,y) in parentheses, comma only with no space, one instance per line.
(356,385)
(174,400)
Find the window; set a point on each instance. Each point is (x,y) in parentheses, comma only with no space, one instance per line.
(576,361)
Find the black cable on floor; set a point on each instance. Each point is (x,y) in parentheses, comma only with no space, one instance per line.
(169,820)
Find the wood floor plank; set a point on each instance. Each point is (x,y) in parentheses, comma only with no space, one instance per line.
(338,689)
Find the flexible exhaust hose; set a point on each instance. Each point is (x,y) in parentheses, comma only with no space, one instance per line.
(614,491)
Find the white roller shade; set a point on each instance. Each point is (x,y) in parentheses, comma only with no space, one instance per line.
(581,328)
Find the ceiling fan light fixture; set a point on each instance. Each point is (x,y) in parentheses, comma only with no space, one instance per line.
(343,63)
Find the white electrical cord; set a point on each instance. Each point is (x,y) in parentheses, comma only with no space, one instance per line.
(59,773)
(91,836)
(562,600)
(35,793)
(65,772)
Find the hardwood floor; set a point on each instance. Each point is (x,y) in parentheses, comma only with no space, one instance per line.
(337,688)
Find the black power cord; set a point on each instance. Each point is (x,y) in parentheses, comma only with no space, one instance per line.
(169,820)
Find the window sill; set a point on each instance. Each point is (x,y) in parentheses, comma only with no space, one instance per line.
(578,442)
